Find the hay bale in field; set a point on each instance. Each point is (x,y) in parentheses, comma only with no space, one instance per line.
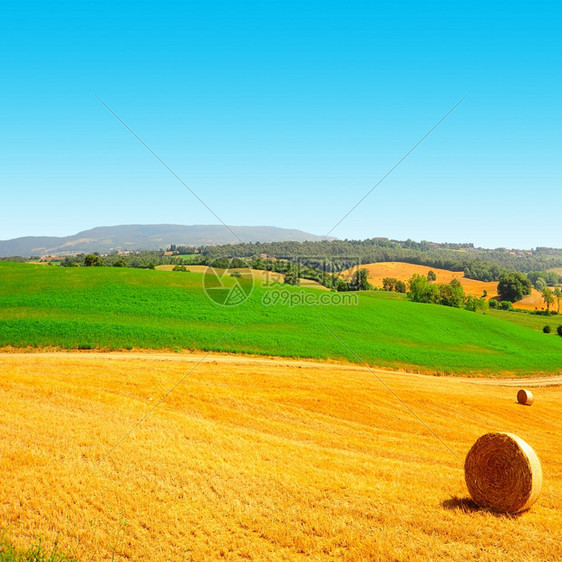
(503,473)
(525,397)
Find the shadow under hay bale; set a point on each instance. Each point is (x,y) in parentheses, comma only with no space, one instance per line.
(467,505)
(462,504)
(503,473)
(525,397)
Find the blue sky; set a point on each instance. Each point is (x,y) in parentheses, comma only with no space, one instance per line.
(285,114)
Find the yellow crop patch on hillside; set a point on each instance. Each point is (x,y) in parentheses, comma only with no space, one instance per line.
(262,460)
(403,272)
(534,301)
(472,287)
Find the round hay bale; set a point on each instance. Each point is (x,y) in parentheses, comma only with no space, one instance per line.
(503,473)
(525,397)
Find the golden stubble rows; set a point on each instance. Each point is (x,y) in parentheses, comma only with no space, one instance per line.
(262,461)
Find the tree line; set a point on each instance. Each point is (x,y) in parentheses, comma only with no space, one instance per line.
(476,263)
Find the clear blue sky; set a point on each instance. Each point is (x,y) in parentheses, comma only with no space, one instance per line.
(285,113)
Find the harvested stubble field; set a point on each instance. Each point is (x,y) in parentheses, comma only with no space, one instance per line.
(262,460)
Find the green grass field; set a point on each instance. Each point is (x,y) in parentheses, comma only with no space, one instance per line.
(185,257)
(533,321)
(115,308)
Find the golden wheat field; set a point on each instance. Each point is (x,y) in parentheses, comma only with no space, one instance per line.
(262,459)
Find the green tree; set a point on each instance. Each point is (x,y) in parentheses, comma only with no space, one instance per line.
(418,288)
(389,283)
(257,262)
(513,286)
(431,275)
(91,260)
(400,286)
(451,294)
(558,295)
(540,284)
(421,290)
(482,305)
(547,297)
(120,263)
(237,263)
(393,284)
(360,280)
(471,303)
(341,285)
(291,278)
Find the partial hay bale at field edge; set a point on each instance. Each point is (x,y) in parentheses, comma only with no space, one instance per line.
(525,397)
(503,473)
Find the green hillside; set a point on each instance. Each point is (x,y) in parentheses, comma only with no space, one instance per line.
(115,308)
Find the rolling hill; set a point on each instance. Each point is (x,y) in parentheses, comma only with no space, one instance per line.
(105,239)
(115,308)
(192,455)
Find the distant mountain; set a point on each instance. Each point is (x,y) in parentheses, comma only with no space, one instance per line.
(106,239)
